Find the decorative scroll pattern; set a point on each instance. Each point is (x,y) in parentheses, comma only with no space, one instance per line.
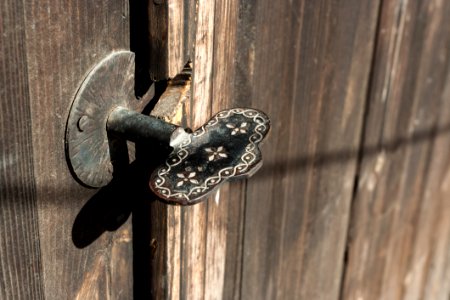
(225,147)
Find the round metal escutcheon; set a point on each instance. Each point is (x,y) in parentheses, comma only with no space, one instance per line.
(109,85)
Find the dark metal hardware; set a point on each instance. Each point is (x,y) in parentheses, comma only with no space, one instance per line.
(226,147)
(137,127)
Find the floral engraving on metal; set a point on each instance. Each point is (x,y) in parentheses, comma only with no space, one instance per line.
(226,147)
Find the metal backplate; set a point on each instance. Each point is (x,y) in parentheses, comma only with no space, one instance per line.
(108,85)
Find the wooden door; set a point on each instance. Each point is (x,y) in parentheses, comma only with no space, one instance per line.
(47,48)
(352,200)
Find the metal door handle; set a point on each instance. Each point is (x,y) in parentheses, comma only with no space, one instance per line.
(224,148)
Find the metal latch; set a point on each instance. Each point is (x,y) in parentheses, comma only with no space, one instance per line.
(105,110)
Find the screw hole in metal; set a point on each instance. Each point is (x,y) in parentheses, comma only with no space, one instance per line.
(82,123)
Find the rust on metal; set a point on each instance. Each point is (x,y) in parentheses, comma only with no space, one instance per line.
(110,84)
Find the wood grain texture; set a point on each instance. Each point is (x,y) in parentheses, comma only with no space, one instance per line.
(221,213)
(351,203)
(198,241)
(400,220)
(195,218)
(20,260)
(165,228)
(210,239)
(64,41)
(171,34)
(310,74)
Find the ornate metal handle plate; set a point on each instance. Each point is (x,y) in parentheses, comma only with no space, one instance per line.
(224,148)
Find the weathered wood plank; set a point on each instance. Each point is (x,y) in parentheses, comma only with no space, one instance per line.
(400,225)
(429,270)
(64,41)
(171,32)
(222,216)
(19,232)
(309,72)
(194,218)
(203,229)
(165,229)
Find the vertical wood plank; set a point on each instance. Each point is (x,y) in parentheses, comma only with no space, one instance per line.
(309,73)
(174,252)
(203,64)
(428,274)
(158,39)
(204,228)
(20,260)
(215,251)
(195,218)
(165,228)
(64,41)
(177,56)
(221,214)
(399,229)
(434,223)
(170,36)
(235,195)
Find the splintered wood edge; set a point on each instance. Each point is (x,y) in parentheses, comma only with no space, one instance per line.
(167,225)
(170,106)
